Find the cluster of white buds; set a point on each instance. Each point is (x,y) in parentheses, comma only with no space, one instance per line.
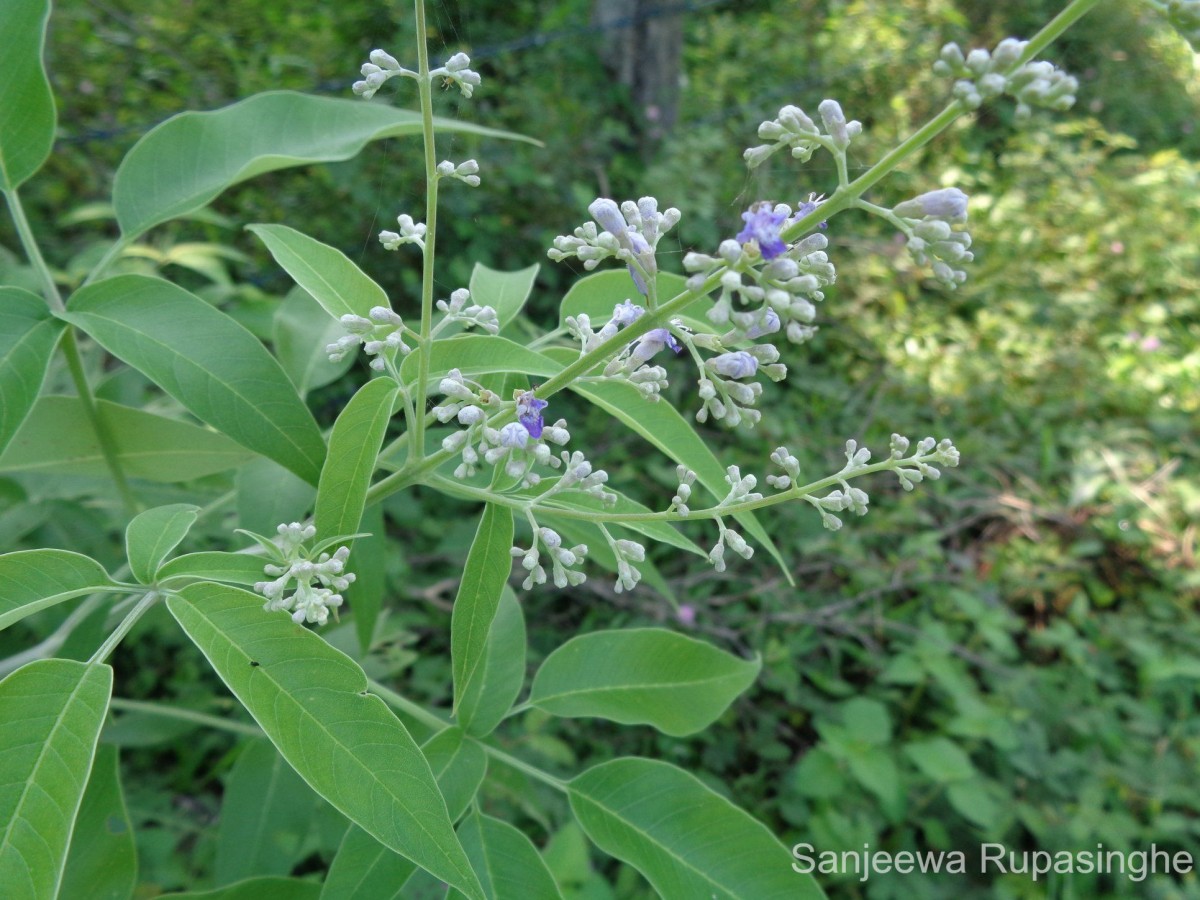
(466,172)
(564,562)
(519,445)
(983,76)
(457,310)
(741,488)
(306,587)
(629,232)
(382,67)
(766,285)
(929,452)
(580,327)
(410,233)
(793,128)
(735,542)
(457,71)
(927,220)
(627,553)
(725,396)
(578,475)
(847,498)
(783,458)
(382,333)
(683,493)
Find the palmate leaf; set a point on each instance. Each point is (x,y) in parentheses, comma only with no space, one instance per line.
(52,711)
(687,840)
(27,115)
(206,361)
(642,675)
(28,335)
(188,160)
(311,700)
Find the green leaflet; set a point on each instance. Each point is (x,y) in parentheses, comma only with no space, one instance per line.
(52,711)
(187,161)
(206,361)
(312,702)
(687,840)
(484,577)
(27,115)
(28,335)
(642,675)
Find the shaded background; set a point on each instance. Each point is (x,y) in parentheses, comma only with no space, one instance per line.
(1010,654)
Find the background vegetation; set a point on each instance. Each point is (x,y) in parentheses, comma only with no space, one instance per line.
(1010,657)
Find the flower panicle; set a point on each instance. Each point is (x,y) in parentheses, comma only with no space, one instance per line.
(307,581)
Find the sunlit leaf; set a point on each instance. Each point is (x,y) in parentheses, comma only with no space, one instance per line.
(353,449)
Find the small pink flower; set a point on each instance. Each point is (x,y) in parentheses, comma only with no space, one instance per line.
(686,614)
(1150,343)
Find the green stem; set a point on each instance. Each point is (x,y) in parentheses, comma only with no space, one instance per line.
(186,715)
(70,348)
(416,447)
(122,629)
(526,504)
(433,720)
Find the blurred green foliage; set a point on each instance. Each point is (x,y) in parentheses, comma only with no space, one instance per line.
(1011,657)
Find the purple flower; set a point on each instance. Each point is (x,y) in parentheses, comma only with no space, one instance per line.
(529,413)
(805,207)
(768,324)
(651,342)
(762,226)
(627,313)
(686,614)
